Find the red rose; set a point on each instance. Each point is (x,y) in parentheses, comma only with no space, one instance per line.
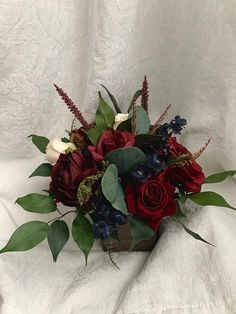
(150,201)
(67,174)
(175,148)
(109,141)
(190,177)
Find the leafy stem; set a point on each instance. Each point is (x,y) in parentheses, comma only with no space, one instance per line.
(59,211)
(62,215)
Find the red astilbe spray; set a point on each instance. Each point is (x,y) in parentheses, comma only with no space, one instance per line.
(133,122)
(144,99)
(70,104)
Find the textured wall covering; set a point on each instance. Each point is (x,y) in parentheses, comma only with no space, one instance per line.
(187,48)
(41,43)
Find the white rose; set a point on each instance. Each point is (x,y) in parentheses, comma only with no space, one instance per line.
(56,147)
(120,117)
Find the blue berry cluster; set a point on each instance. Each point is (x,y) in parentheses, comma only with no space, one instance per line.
(154,165)
(175,126)
(106,220)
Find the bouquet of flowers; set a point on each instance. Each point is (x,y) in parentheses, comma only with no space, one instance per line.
(118,170)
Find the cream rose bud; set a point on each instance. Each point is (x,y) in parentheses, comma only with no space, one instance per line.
(56,147)
(120,117)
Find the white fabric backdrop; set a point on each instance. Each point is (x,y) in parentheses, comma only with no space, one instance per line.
(187,49)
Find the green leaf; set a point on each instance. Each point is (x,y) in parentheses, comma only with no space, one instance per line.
(40,142)
(112,189)
(192,233)
(182,196)
(82,233)
(142,125)
(126,159)
(112,99)
(50,193)
(37,203)
(57,237)
(196,236)
(105,117)
(179,214)
(125,125)
(94,134)
(27,236)
(46,191)
(221,176)
(137,94)
(139,230)
(43,170)
(110,183)
(120,203)
(209,198)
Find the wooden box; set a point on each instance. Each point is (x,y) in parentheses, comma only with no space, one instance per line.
(124,235)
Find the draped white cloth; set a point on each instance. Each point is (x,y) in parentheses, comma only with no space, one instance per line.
(187,49)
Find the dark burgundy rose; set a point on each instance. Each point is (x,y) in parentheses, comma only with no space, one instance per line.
(150,201)
(189,177)
(67,174)
(109,141)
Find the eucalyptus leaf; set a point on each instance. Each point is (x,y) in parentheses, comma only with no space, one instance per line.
(110,183)
(27,236)
(120,203)
(140,230)
(219,177)
(105,117)
(112,99)
(137,94)
(57,237)
(112,189)
(82,233)
(40,142)
(142,124)
(126,159)
(209,198)
(37,203)
(44,170)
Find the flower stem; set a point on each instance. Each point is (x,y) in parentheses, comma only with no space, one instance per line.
(56,218)
(59,211)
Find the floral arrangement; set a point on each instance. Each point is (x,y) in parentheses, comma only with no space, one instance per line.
(119,169)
